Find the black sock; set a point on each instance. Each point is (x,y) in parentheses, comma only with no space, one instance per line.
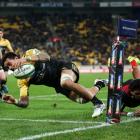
(96,101)
(100,84)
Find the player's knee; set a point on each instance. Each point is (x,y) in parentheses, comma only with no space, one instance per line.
(66,83)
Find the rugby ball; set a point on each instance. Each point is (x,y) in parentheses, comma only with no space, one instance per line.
(24,71)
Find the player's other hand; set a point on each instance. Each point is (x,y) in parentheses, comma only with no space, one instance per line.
(8,99)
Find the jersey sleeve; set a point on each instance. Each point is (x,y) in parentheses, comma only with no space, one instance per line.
(32,52)
(24,87)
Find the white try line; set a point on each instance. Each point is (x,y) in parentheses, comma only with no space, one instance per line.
(72,130)
(52,121)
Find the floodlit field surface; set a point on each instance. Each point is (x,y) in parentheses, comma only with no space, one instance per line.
(54,117)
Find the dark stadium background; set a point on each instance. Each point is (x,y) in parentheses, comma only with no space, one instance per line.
(77,30)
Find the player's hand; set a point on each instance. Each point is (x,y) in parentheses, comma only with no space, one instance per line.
(8,99)
(22,102)
(17,62)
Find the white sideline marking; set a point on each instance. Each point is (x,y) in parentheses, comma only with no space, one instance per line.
(72,130)
(53,121)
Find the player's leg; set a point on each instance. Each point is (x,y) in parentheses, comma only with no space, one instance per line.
(67,81)
(79,93)
(99,106)
(76,98)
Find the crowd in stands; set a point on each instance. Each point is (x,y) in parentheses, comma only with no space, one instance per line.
(82,38)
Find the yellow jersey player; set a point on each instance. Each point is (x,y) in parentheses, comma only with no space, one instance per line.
(62,75)
(5,45)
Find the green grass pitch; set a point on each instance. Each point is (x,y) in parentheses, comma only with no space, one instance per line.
(54,117)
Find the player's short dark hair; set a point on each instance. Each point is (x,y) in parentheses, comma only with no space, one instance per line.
(135,85)
(9,55)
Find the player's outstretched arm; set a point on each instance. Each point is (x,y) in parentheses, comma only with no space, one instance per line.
(23,101)
(29,59)
(24,95)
